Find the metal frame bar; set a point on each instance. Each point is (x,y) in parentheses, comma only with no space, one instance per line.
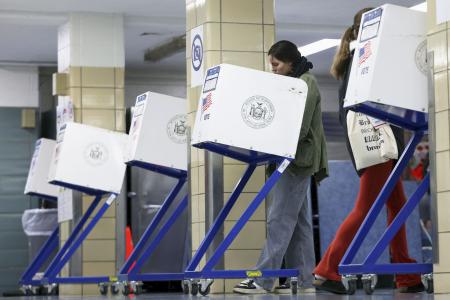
(74,241)
(207,271)
(42,256)
(419,126)
(143,249)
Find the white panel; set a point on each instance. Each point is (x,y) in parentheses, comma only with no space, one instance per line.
(97,40)
(442,11)
(39,168)
(158,131)
(89,157)
(250,109)
(19,87)
(389,63)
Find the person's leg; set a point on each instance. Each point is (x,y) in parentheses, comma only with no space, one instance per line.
(399,244)
(300,252)
(281,221)
(371,182)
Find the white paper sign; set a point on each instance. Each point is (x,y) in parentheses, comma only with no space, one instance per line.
(442,11)
(64,112)
(197,56)
(65,208)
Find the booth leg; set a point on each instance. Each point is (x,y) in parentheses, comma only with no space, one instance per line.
(41,257)
(152,227)
(83,234)
(221,218)
(211,263)
(381,199)
(155,242)
(72,237)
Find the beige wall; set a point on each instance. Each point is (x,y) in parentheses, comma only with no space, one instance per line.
(439,42)
(236,32)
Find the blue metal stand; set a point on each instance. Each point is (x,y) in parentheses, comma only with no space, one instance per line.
(253,159)
(73,242)
(49,246)
(28,280)
(143,250)
(416,122)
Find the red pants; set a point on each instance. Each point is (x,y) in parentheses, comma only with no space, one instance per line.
(370,186)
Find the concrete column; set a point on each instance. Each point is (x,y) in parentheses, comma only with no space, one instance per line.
(91,53)
(439,42)
(240,33)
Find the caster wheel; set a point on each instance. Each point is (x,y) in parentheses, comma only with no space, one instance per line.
(294,287)
(369,282)
(194,288)
(126,290)
(368,287)
(114,289)
(50,290)
(204,292)
(28,291)
(185,287)
(427,280)
(351,287)
(138,289)
(103,289)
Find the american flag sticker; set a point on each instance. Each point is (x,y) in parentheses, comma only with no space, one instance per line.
(206,102)
(365,52)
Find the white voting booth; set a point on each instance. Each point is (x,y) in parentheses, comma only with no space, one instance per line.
(250,109)
(255,117)
(388,81)
(37,183)
(389,65)
(88,159)
(157,134)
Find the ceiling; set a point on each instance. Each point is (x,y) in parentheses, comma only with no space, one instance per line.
(28,28)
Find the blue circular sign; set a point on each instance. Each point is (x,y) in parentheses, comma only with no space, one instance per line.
(197,52)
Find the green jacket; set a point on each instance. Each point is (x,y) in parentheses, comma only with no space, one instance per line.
(311,156)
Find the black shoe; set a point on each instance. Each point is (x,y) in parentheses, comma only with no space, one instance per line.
(332,286)
(412,289)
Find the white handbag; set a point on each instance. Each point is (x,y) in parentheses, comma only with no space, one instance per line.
(370,145)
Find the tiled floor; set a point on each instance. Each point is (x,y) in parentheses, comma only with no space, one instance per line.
(360,295)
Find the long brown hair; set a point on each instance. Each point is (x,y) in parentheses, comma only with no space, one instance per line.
(340,58)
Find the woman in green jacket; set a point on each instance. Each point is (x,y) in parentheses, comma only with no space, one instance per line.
(289,229)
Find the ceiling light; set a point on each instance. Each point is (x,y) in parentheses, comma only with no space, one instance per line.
(175,45)
(318,46)
(420,7)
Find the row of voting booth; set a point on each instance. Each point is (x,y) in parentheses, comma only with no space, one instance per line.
(266,110)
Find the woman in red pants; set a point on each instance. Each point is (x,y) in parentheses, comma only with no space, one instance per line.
(372,180)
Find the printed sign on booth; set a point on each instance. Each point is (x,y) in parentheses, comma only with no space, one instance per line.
(197,56)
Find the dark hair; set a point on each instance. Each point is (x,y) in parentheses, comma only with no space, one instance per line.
(285,51)
(343,53)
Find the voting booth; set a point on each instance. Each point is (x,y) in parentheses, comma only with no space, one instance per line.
(157,137)
(388,81)
(389,69)
(88,159)
(249,110)
(37,184)
(157,142)
(254,117)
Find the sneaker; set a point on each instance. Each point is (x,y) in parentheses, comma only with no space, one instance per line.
(412,289)
(248,286)
(285,289)
(332,286)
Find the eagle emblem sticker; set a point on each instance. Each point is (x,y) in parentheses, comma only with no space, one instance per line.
(258,112)
(96,154)
(176,129)
(421,57)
